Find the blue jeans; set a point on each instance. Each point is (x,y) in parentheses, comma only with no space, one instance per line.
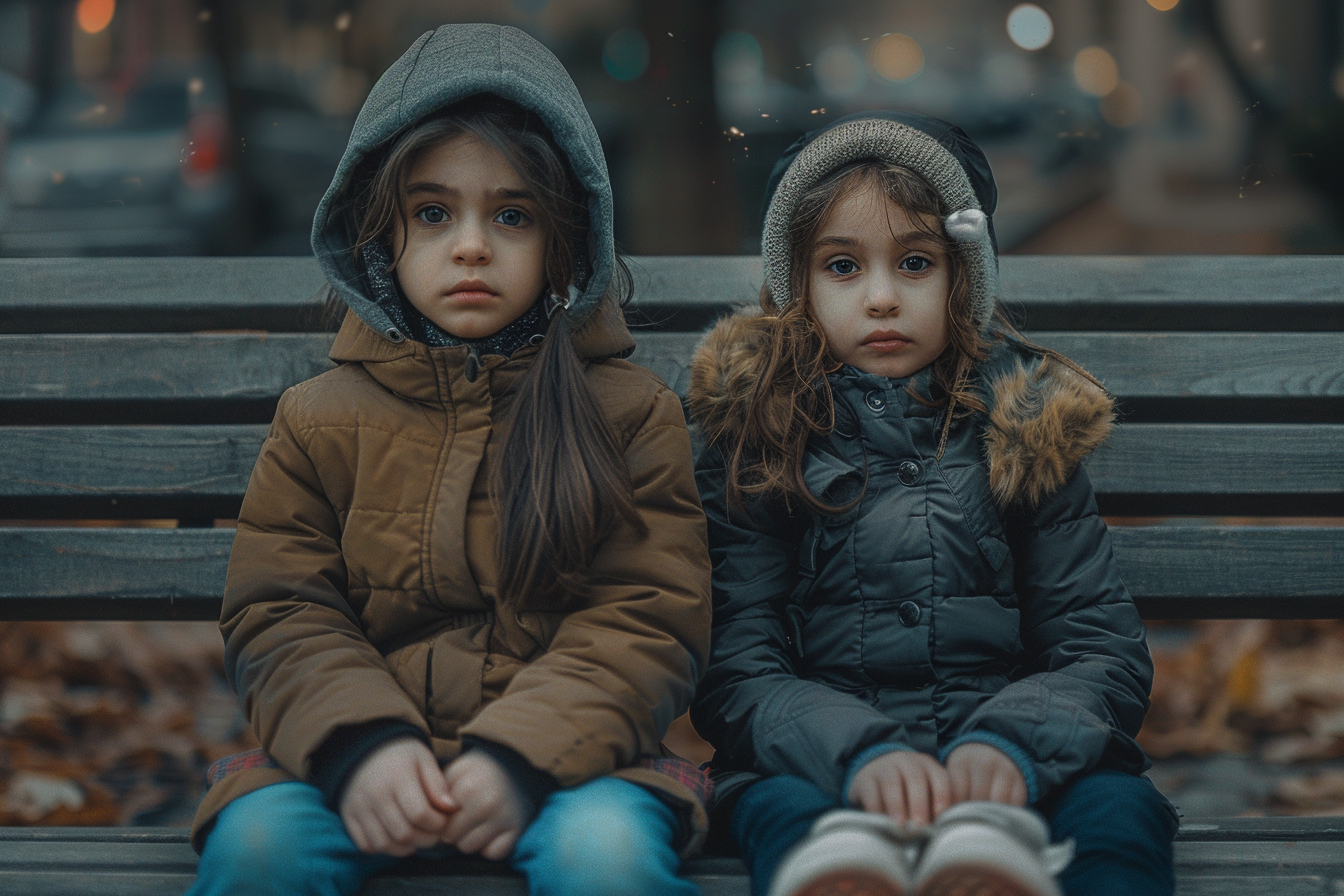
(603,838)
(1121,825)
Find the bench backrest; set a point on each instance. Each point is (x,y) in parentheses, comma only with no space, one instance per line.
(140,390)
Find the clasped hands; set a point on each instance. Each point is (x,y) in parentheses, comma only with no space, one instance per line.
(916,788)
(399,801)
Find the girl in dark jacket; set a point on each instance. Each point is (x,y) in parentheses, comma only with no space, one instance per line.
(919,627)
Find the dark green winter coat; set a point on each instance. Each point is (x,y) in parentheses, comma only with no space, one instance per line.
(972,597)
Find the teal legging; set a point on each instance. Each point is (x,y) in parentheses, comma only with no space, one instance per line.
(603,838)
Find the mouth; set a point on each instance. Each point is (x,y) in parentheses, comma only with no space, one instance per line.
(885,340)
(471,291)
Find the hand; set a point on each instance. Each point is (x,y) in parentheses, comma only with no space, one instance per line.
(905,785)
(493,811)
(982,772)
(397,800)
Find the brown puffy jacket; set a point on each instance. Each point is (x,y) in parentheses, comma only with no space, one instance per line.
(363,580)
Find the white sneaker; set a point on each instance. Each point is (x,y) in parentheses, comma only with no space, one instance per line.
(990,849)
(847,853)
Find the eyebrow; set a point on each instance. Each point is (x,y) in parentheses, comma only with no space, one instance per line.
(910,237)
(435,189)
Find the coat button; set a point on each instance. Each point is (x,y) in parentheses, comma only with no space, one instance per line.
(875,401)
(908,613)
(910,472)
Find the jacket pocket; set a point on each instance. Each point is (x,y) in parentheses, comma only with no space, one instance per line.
(976,633)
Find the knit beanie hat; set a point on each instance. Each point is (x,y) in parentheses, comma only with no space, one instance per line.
(939,152)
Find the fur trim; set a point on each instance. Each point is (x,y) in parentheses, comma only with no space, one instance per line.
(725,371)
(1042,423)
(1044,417)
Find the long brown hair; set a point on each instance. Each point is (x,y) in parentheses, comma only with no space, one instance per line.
(793,398)
(559,483)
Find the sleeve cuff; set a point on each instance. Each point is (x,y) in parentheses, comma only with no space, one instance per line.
(1018,755)
(863,758)
(336,759)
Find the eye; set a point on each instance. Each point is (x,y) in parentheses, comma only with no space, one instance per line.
(843,266)
(512,217)
(432,214)
(916,264)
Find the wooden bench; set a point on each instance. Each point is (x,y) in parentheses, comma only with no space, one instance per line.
(141,389)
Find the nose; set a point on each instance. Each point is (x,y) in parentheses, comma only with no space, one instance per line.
(472,245)
(883,297)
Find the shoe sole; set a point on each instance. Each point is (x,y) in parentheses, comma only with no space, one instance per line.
(850,883)
(970,880)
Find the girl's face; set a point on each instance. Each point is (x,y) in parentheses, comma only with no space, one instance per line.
(472,255)
(879,285)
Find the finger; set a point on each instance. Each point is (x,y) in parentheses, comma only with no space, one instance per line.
(892,799)
(941,785)
(980,780)
(396,830)
(1008,787)
(434,782)
(960,778)
(461,823)
(476,839)
(355,830)
(415,807)
(501,847)
(864,794)
(917,792)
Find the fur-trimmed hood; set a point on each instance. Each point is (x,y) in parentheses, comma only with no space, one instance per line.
(1045,415)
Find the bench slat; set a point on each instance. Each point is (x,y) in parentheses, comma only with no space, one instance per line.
(1173,571)
(1065,292)
(158,367)
(159,862)
(1142,462)
(173,366)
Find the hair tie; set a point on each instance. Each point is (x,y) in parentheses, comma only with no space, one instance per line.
(556,302)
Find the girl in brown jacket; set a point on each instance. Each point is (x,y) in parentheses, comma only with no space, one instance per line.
(470,587)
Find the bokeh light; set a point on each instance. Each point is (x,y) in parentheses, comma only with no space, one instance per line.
(625,55)
(1163,5)
(1337,82)
(896,57)
(1122,107)
(95,15)
(738,59)
(840,71)
(1095,71)
(1030,27)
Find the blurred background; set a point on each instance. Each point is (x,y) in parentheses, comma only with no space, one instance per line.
(1114,126)
(189,127)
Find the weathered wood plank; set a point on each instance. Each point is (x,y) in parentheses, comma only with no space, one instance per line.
(1142,459)
(89,295)
(1173,571)
(1136,365)
(132,862)
(60,573)
(1068,292)
(218,366)
(158,367)
(127,461)
(1233,572)
(1218,458)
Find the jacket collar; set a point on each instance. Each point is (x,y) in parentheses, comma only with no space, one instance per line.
(408,368)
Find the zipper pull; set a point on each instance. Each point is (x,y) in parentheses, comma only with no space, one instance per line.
(472,368)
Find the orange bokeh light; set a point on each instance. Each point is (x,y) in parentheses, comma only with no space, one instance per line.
(1163,5)
(95,15)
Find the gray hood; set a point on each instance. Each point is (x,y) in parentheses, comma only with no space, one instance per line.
(451,63)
